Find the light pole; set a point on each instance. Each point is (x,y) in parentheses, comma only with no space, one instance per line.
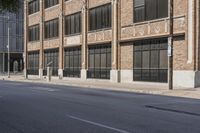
(8,45)
(170,45)
(8,49)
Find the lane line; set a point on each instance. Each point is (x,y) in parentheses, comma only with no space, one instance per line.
(97,124)
(44,89)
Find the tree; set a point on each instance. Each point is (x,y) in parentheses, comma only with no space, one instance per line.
(9,5)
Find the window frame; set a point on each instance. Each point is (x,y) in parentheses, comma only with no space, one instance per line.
(147,74)
(95,69)
(72,69)
(49,26)
(35,29)
(33,7)
(72,25)
(145,17)
(96,23)
(33,67)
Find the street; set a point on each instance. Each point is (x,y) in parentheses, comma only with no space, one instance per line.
(40,108)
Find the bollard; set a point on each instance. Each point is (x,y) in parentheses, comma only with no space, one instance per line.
(49,74)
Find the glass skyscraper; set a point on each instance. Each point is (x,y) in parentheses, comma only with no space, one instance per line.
(16,23)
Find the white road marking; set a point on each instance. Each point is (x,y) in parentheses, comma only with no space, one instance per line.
(17,84)
(97,124)
(44,89)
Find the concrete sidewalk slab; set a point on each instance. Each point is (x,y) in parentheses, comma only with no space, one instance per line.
(147,88)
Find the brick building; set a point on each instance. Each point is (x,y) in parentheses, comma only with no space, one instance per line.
(118,40)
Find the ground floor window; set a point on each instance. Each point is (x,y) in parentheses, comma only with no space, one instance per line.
(33,63)
(51,57)
(72,62)
(99,61)
(150,60)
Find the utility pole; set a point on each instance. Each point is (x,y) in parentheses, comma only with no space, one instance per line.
(8,49)
(170,46)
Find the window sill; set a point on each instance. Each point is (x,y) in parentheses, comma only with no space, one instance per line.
(151,21)
(67,1)
(34,14)
(72,35)
(50,39)
(34,41)
(99,30)
(51,7)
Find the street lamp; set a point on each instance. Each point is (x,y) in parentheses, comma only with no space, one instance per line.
(8,45)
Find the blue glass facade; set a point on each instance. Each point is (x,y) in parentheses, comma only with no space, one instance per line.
(16,24)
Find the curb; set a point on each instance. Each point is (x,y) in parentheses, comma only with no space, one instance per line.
(173,93)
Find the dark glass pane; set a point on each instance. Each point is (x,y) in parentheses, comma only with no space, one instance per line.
(137,60)
(139,14)
(100,17)
(99,61)
(151,12)
(91,61)
(162,8)
(145,59)
(155,59)
(163,59)
(152,54)
(103,60)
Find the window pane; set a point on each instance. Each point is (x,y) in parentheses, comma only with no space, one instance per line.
(97,60)
(139,3)
(103,60)
(145,59)
(162,8)
(163,59)
(138,60)
(151,12)
(155,59)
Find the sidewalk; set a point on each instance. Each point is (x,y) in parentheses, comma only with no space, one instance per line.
(147,88)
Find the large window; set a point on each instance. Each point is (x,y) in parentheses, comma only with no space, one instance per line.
(50,3)
(150,60)
(33,63)
(51,28)
(51,59)
(33,6)
(145,10)
(72,62)
(100,17)
(34,33)
(73,24)
(99,61)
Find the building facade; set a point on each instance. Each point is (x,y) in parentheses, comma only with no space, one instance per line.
(115,40)
(16,39)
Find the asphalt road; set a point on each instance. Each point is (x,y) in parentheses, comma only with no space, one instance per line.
(39,108)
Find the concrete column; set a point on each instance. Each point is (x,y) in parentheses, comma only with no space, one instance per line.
(61,39)
(197,37)
(84,44)
(190,30)
(25,39)
(41,59)
(115,73)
